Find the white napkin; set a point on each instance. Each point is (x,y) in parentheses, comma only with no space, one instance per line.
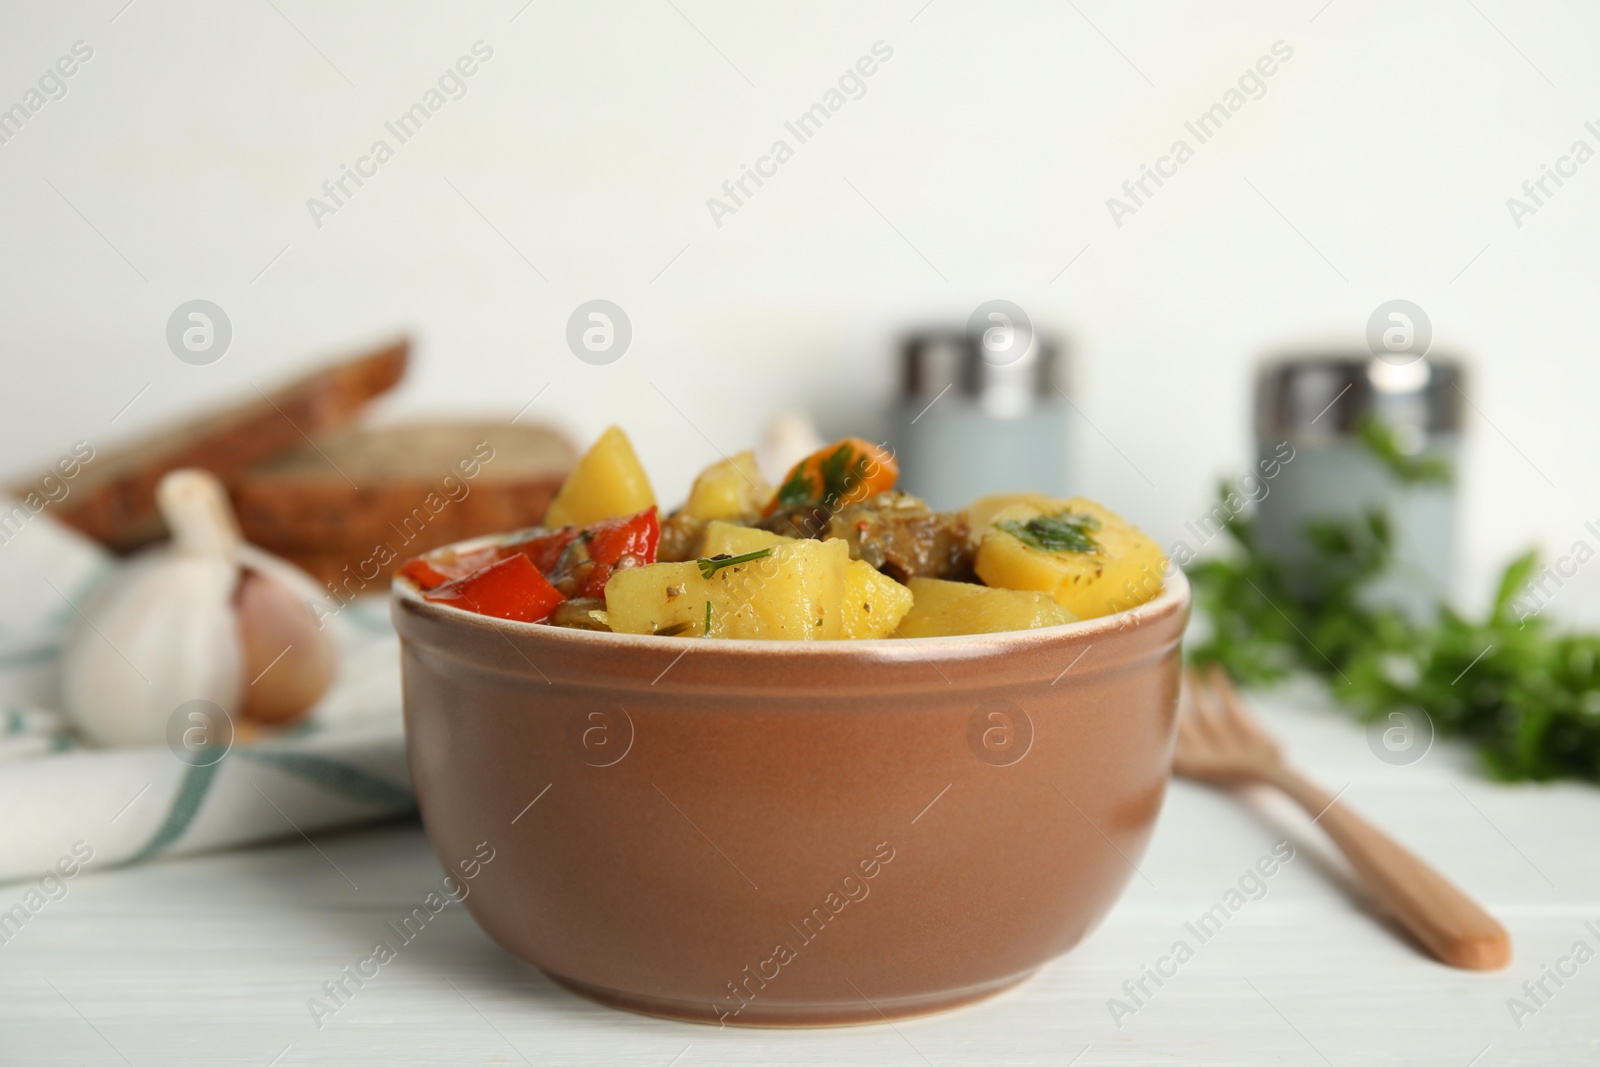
(343,765)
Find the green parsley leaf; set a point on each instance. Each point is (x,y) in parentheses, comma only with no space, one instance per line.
(797,490)
(1062,532)
(841,471)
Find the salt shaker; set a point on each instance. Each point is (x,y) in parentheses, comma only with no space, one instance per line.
(1324,424)
(968,424)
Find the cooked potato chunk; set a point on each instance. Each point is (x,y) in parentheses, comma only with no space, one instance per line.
(796,593)
(982,511)
(874,603)
(1090,560)
(608,481)
(735,540)
(942,609)
(728,489)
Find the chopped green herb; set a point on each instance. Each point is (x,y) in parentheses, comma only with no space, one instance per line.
(1528,698)
(1063,532)
(712,564)
(842,471)
(796,492)
(674,630)
(708,618)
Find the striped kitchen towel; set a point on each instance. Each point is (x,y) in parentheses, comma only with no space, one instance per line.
(343,765)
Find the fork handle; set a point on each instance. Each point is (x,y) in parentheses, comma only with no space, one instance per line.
(1449,923)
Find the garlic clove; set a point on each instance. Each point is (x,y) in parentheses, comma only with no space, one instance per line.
(313,657)
(288,661)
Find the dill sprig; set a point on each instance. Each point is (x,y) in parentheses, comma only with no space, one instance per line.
(710,565)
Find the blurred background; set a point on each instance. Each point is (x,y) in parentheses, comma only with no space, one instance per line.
(974,164)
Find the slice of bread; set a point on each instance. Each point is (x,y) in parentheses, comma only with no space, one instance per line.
(113,499)
(365,494)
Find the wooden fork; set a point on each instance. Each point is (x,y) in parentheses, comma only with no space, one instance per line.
(1219,743)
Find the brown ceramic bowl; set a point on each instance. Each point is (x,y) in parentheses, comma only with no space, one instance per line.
(782,834)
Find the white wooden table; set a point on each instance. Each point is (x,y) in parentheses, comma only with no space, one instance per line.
(211,960)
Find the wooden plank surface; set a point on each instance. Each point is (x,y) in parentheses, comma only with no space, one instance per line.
(211,960)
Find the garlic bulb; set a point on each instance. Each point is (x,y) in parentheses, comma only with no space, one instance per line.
(203,617)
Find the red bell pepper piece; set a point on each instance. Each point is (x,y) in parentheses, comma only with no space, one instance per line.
(609,545)
(510,589)
(545,550)
(616,544)
(423,573)
(432,571)
(633,535)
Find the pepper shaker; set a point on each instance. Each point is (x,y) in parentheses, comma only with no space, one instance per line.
(1364,434)
(967,425)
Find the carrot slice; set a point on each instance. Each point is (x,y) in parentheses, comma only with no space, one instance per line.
(846,472)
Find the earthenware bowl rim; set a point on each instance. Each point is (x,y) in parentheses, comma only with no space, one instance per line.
(1174,597)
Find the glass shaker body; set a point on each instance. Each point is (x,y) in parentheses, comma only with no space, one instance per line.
(1339,417)
(964,427)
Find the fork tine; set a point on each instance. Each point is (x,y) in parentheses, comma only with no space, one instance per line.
(1233,708)
(1186,698)
(1218,680)
(1191,681)
(1191,743)
(1200,716)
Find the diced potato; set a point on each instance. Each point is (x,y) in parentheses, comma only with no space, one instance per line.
(735,540)
(728,489)
(942,609)
(1124,568)
(608,481)
(874,603)
(982,511)
(794,594)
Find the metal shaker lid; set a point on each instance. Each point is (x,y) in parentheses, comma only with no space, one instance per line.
(1331,395)
(1002,385)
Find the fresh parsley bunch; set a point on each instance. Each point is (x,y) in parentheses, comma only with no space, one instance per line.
(1529,698)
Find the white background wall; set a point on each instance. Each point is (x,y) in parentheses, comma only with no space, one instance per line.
(990,141)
